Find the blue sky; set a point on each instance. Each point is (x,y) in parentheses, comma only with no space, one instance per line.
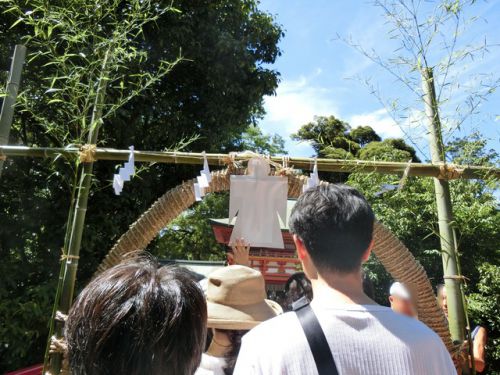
(321,75)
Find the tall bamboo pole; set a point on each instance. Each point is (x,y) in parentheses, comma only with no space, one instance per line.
(80,210)
(456,312)
(7,113)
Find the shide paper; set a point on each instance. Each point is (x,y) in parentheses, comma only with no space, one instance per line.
(259,201)
(124,173)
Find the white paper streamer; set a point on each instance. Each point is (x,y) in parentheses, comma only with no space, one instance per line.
(203,180)
(197,192)
(313,179)
(206,170)
(124,173)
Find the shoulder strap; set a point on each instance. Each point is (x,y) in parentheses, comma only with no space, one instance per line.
(317,341)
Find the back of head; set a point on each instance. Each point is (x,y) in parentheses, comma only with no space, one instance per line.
(335,223)
(137,318)
(297,286)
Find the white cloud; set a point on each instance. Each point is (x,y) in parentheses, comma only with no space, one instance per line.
(380,121)
(295,104)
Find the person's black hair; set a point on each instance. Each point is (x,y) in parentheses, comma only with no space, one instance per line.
(296,287)
(137,318)
(231,356)
(335,223)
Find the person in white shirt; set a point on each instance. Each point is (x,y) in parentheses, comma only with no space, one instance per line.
(236,302)
(401,300)
(332,228)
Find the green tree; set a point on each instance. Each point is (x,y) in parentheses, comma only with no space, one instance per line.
(253,139)
(190,236)
(215,92)
(484,309)
(363,135)
(333,138)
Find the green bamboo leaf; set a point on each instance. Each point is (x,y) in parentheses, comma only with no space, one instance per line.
(16,22)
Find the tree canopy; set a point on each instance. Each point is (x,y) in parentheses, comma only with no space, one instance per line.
(214,94)
(333,138)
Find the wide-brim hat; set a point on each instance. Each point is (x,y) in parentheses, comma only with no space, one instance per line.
(236,299)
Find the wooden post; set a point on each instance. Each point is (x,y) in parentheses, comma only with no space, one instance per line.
(7,113)
(70,259)
(456,312)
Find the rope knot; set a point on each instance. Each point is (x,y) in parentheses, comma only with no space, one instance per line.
(87,153)
(449,172)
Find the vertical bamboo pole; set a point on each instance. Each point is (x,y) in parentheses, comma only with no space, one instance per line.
(79,212)
(7,113)
(456,312)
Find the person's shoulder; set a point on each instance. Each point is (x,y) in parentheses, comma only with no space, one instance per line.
(272,329)
(410,327)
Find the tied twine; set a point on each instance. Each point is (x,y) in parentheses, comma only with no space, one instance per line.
(60,346)
(68,256)
(87,153)
(460,354)
(449,172)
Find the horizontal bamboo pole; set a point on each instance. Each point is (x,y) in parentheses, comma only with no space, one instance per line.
(445,172)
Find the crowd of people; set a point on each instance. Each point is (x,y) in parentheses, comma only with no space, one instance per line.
(140,318)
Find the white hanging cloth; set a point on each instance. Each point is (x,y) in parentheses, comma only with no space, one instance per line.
(124,173)
(259,201)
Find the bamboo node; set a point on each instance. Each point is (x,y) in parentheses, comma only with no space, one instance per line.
(449,172)
(87,153)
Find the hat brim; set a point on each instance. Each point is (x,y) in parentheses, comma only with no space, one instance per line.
(243,317)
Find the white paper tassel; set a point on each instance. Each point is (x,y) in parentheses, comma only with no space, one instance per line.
(202,180)
(124,173)
(117,184)
(197,192)
(206,170)
(313,179)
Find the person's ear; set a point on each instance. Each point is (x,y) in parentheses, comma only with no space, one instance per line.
(391,299)
(367,252)
(301,249)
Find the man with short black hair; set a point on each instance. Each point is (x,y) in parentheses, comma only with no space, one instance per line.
(342,331)
(137,318)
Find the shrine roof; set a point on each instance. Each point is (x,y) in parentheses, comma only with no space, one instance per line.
(289,206)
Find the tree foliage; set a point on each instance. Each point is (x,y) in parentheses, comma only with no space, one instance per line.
(254,140)
(333,138)
(215,92)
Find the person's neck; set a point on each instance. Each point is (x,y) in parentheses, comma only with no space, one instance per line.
(220,345)
(341,288)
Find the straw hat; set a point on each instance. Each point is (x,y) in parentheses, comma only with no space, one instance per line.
(236,299)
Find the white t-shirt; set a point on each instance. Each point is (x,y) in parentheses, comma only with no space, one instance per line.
(211,365)
(364,340)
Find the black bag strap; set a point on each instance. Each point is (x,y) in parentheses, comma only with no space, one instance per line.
(317,341)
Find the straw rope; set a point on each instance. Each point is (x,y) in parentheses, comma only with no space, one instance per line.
(395,257)
(87,153)
(449,172)
(60,346)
